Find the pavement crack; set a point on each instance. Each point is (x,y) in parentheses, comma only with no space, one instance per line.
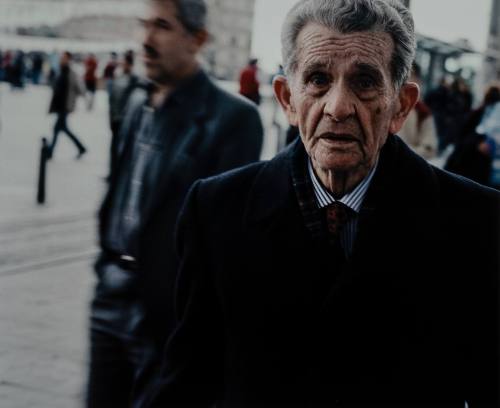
(12,384)
(46,263)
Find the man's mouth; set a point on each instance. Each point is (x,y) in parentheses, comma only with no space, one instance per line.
(149,54)
(338,138)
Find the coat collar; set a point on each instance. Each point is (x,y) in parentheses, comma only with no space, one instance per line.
(189,97)
(402,180)
(272,190)
(402,197)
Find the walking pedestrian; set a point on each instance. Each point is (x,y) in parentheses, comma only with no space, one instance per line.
(475,146)
(18,71)
(419,130)
(36,67)
(90,79)
(249,82)
(347,271)
(459,107)
(66,90)
(109,72)
(437,100)
(2,65)
(182,128)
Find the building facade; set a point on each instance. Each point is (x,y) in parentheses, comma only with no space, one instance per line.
(230,24)
(114,22)
(492,55)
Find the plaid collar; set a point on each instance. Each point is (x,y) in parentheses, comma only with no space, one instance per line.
(304,191)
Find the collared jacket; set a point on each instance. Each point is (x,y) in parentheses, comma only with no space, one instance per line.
(266,318)
(67,88)
(212,131)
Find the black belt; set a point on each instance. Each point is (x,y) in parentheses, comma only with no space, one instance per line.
(126,262)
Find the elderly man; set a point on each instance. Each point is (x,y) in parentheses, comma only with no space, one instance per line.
(184,129)
(346,271)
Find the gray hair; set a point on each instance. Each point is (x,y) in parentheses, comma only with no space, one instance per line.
(191,13)
(348,16)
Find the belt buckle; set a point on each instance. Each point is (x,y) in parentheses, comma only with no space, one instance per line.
(128,262)
(127,258)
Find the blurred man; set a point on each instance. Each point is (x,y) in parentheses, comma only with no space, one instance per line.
(66,90)
(347,271)
(184,128)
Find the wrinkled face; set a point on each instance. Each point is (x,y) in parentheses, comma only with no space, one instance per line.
(342,97)
(168,48)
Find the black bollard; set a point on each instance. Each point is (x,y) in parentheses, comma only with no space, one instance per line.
(44,154)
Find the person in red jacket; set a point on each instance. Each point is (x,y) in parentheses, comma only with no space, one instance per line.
(90,79)
(249,83)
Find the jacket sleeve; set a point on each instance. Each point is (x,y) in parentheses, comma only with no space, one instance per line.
(243,142)
(193,357)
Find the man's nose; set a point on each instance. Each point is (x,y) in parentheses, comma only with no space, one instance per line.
(147,35)
(339,104)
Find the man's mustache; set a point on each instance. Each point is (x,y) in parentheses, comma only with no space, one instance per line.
(150,52)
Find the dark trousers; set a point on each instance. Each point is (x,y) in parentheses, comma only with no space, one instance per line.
(123,357)
(62,126)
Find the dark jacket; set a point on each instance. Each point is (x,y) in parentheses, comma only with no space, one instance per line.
(213,132)
(466,159)
(66,91)
(266,319)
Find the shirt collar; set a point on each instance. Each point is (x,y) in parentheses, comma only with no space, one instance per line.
(185,91)
(353,200)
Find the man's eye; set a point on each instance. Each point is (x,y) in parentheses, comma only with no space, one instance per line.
(365,83)
(318,79)
(163,25)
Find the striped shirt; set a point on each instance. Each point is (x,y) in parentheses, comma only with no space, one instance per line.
(353,200)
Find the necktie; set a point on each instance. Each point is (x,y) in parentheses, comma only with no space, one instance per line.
(337,216)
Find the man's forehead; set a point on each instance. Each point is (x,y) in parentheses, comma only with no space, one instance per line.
(151,9)
(317,44)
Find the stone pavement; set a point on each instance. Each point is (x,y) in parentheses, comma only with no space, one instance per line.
(46,252)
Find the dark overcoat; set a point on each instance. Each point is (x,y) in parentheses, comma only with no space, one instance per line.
(212,132)
(266,317)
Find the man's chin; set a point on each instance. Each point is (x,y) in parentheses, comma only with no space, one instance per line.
(150,73)
(337,159)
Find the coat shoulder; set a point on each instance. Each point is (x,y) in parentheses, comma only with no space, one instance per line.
(457,188)
(231,185)
(239,186)
(232,102)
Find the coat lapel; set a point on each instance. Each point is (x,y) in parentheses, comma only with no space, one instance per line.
(392,206)
(183,136)
(294,255)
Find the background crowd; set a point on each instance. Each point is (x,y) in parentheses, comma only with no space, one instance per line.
(446,127)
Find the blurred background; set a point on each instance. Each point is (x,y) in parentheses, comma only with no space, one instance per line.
(47,212)
(454,37)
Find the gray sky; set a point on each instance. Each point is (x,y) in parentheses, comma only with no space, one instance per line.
(447,20)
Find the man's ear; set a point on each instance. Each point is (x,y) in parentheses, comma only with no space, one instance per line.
(408,97)
(282,92)
(200,38)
